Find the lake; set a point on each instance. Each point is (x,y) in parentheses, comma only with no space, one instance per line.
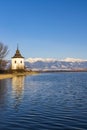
(48,101)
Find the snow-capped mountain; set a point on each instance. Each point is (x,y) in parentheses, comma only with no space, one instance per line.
(55,64)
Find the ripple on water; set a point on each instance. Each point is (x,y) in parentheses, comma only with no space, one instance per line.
(44,102)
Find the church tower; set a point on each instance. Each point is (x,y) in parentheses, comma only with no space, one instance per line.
(17,61)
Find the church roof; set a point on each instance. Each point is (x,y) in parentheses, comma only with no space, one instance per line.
(17,54)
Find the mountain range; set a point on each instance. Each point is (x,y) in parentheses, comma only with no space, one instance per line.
(52,64)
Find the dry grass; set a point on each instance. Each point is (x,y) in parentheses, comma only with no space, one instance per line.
(6,76)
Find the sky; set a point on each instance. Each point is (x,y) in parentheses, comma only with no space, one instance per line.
(44,28)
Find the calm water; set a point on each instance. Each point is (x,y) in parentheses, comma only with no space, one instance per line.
(50,101)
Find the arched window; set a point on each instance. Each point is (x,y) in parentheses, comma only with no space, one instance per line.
(15,61)
(20,61)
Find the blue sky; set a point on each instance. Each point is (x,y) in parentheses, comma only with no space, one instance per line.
(45,28)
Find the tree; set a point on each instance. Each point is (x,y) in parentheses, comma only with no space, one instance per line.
(3,53)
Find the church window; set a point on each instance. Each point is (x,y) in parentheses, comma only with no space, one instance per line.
(15,61)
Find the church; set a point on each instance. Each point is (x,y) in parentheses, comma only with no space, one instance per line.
(17,61)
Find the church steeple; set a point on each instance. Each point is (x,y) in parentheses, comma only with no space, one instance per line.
(17,54)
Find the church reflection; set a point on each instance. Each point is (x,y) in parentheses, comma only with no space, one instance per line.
(17,90)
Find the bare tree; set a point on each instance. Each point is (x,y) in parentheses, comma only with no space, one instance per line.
(3,50)
(3,53)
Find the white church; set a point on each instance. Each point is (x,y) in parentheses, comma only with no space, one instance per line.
(17,61)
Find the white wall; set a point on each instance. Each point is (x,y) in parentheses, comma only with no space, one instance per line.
(17,63)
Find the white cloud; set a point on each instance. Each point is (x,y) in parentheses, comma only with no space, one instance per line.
(73,60)
(33,60)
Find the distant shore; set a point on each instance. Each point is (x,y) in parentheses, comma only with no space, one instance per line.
(75,70)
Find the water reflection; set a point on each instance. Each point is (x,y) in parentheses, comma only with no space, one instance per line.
(3,92)
(17,90)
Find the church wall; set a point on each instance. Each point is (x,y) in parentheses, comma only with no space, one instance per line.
(17,63)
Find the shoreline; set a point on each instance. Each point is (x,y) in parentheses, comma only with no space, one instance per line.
(11,75)
(7,76)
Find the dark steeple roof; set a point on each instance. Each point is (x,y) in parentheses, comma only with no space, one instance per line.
(17,54)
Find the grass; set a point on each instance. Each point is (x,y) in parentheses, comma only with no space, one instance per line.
(12,74)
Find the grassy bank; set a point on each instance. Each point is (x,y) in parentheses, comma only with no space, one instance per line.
(5,76)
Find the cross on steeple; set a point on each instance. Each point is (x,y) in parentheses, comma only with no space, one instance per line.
(17,46)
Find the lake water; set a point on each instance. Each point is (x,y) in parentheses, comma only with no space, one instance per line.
(48,101)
